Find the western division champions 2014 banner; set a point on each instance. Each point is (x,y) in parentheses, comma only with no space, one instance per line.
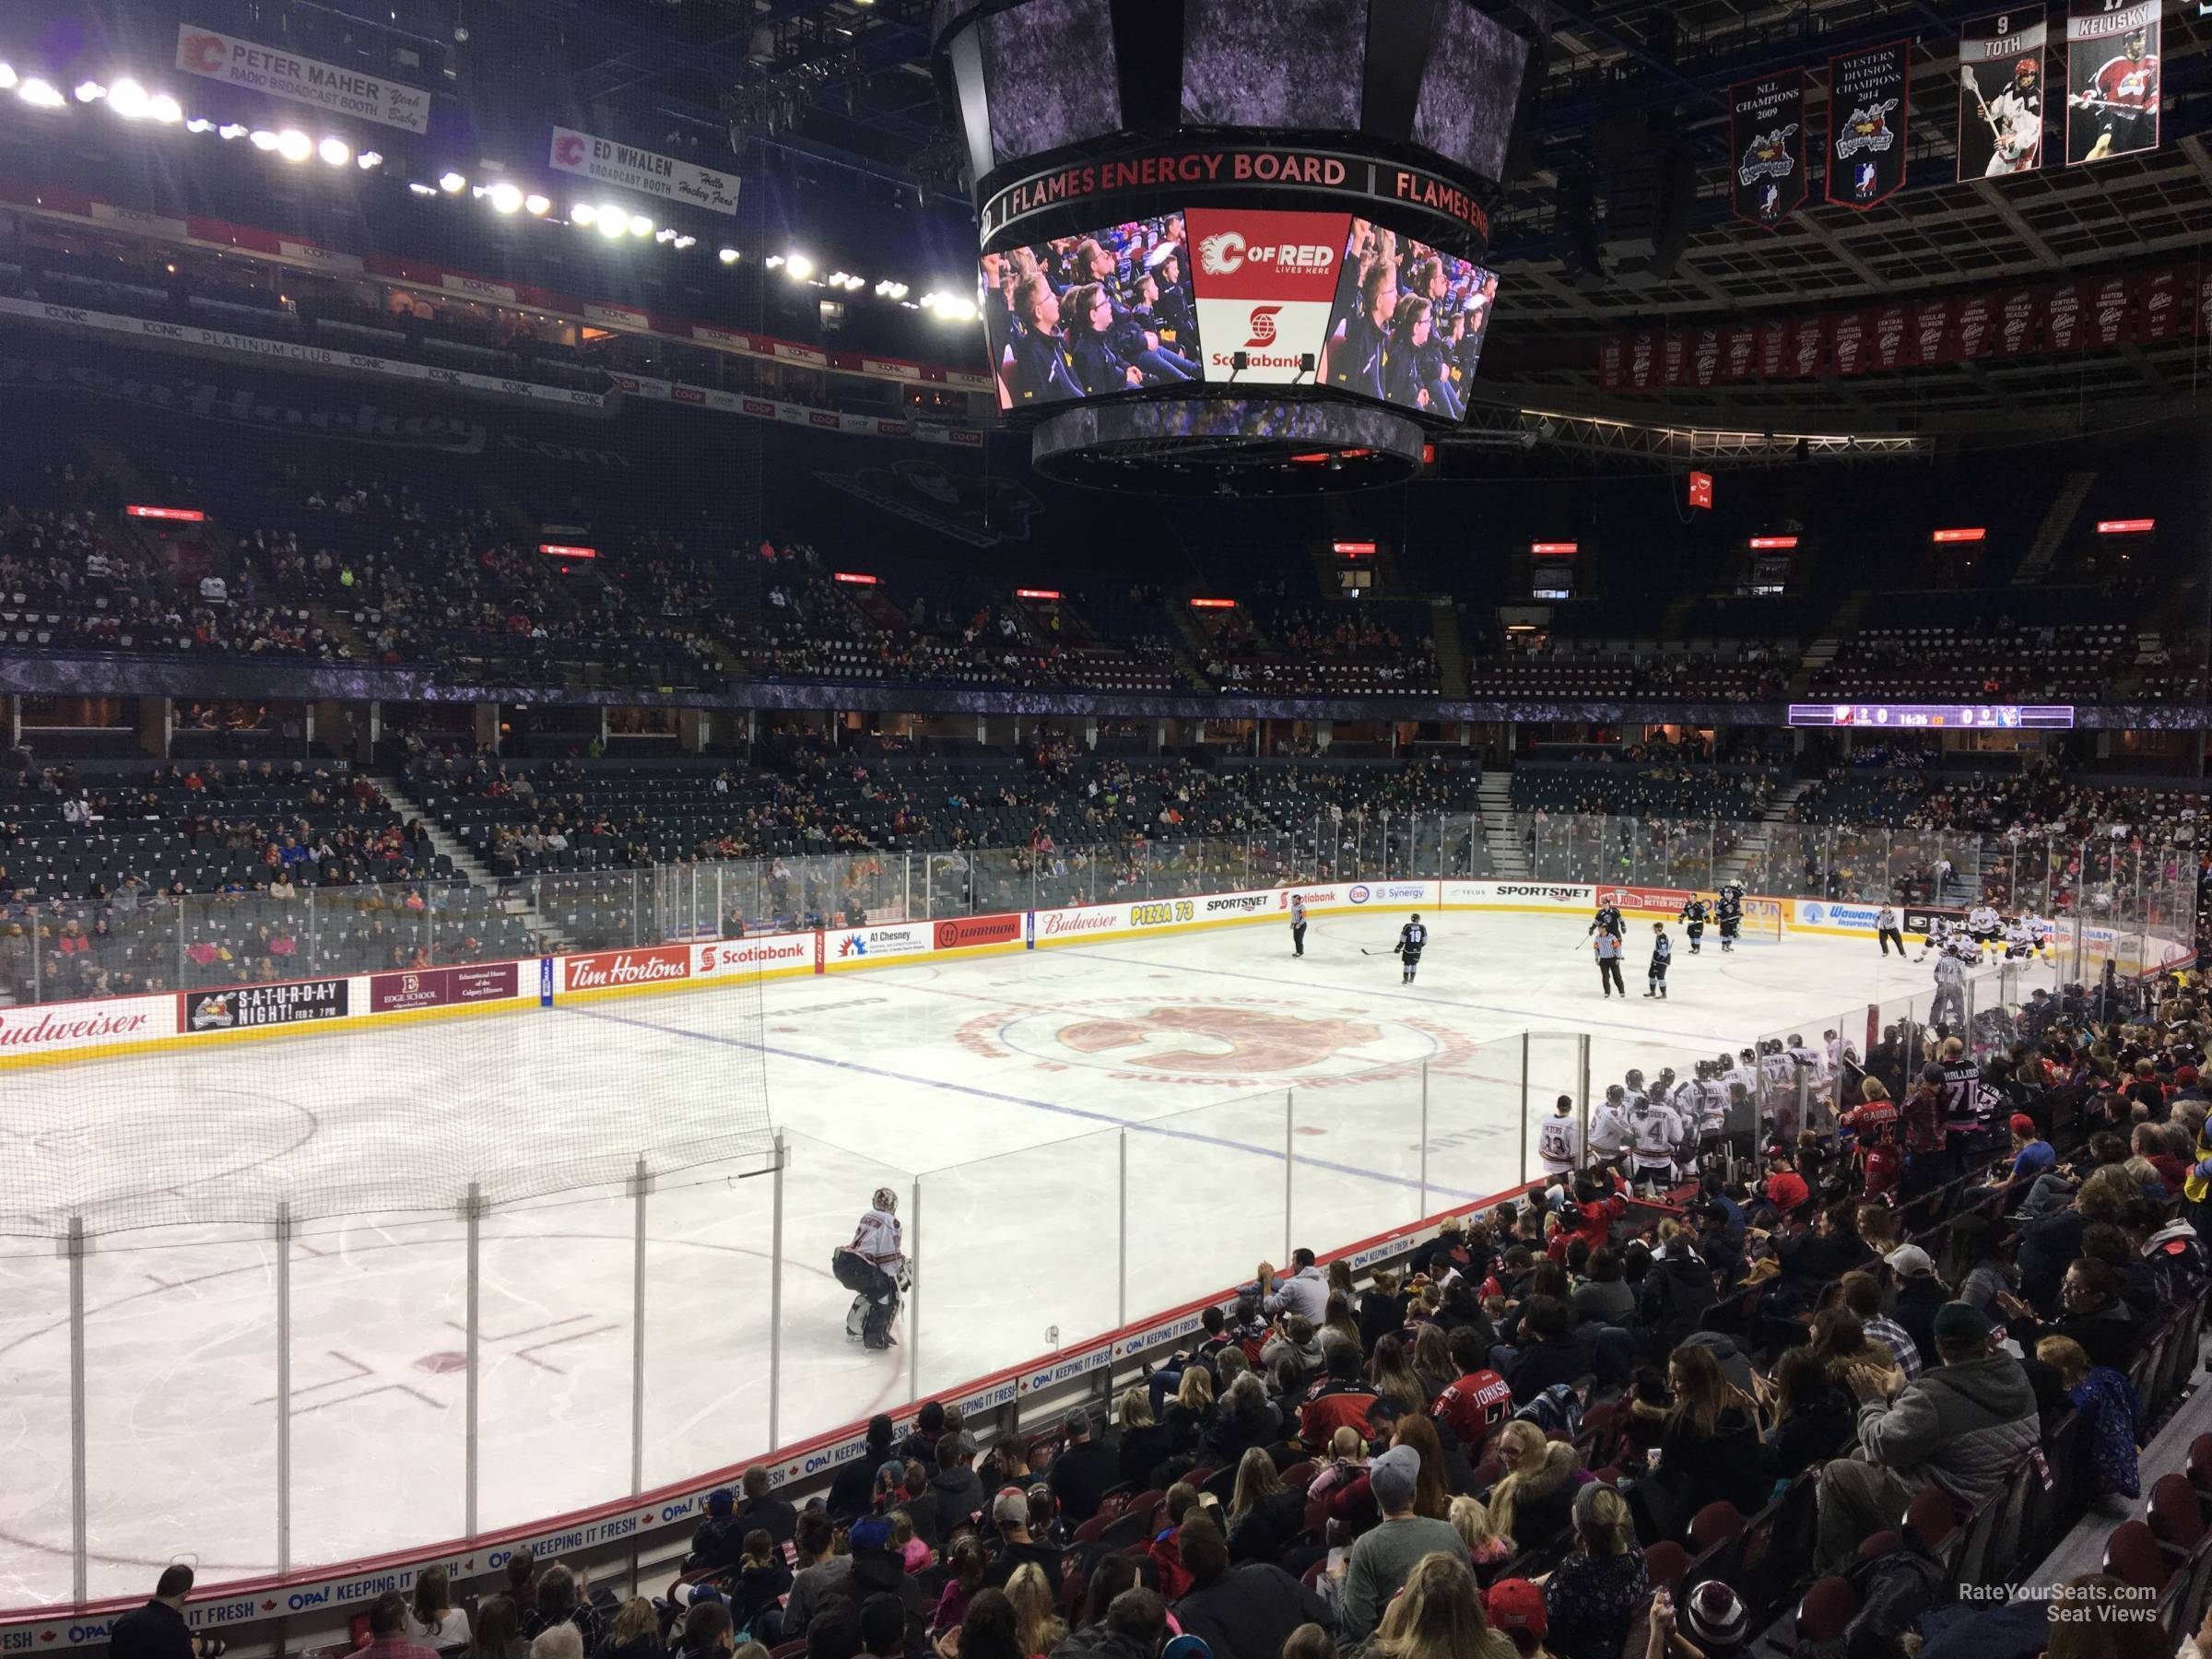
(2001,93)
(1767,131)
(1866,116)
(2112,79)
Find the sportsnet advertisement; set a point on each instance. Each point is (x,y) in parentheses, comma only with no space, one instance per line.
(1093,317)
(1408,324)
(2112,79)
(1520,895)
(1265,281)
(2001,97)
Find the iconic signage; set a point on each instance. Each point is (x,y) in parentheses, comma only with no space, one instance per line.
(238,62)
(646,171)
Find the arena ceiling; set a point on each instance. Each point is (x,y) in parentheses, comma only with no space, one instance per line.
(847,84)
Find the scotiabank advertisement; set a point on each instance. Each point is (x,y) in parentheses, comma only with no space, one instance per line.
(1265,280)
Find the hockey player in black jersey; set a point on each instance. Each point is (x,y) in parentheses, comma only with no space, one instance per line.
(1695,914)
(1413,938)
(1607,921)
(1731,910)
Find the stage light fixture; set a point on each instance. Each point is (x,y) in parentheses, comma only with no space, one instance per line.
(452,183)
(294,144)
(40,95)
(506,198)
(336,152)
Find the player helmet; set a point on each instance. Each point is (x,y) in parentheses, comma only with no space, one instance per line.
(2138,43)
(885,1200)
(1417,915)
(2028,68)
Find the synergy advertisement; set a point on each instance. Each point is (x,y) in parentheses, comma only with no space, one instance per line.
(1089,316)
(1407,322)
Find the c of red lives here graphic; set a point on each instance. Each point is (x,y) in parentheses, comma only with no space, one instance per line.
(1264,280)
(205,53)
(567,150)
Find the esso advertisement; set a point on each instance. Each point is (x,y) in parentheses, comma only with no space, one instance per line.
(1264,280)
(772,953)
(1391,892)
(1520,895)
(1823,912)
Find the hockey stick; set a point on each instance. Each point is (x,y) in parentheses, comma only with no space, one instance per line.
(1386,950)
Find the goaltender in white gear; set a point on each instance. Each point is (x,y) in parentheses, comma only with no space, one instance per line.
(874,1267)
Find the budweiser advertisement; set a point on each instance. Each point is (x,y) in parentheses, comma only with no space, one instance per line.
(1264,279)
(617,969)
(56,1027)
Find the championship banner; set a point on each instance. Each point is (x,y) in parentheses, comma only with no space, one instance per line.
(1867,113)
(1767,132)
(2112,79)
(330,87)
(646,171)
(1265,280)
(2001,94)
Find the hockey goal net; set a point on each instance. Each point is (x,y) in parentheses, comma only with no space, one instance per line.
(1762,923)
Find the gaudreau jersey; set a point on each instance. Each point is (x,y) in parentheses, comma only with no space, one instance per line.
(1558,1141)
(878,1239)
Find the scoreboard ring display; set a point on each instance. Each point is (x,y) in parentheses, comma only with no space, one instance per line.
(1265,201)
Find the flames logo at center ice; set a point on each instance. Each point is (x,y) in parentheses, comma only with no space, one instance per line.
(1223,1039)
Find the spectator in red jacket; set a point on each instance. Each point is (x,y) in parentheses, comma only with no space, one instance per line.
(1342,1399)
(1473,1406)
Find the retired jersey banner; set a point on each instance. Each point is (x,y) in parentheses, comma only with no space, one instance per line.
(1867,118)
(1767,129)
(2001,93)
(2112,79)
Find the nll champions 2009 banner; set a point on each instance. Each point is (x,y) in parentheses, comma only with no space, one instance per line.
(2112,79)
(1767,128)
(1866,116)
(2001,93)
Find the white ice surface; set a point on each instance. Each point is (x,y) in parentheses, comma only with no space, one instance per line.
(1008,1082)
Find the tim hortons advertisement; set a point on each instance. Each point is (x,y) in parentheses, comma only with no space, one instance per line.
(612,970)
(57,1027)
(1264,281)
(770,954)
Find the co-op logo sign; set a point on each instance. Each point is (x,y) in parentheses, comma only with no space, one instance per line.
(1225,253)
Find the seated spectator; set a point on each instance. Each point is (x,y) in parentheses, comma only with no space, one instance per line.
(1440,1615)
(955,1494)
(635,1632)
(1808,1415)
(1960,1426)
(718,1540)
(1241,1611)
(820,1569)
(562,1598)
(1708,1451)
(1472,1407)
(555,1641)
(2093,1314)
(388,1634)
(1534,1500)
(1010,1516)
(1343,1400)
(432,1620)
(1593,1594)
(1265,1516)
(1488,1549)
(1146,1443)
(763,1509)
(762,1581)
(1084,1472)
(499,1633)
(1035,1622)
(1382,1557)
(1515,1608)
(1135,1627)
(2112,1415)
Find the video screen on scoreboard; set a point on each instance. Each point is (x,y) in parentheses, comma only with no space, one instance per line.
(1408,324)
(1091,316)
(1914,717)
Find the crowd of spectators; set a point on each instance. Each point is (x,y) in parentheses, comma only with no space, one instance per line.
(1577,1423)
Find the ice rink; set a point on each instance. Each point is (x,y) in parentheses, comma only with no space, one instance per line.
(1100,1131)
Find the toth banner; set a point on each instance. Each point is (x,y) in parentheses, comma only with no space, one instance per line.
(1767,132)
(2001,93)
(2112,79)
(1868,110)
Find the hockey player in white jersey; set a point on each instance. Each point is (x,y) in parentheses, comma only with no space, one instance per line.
(1610,1135)
(1560,1140)
(2020,939)
(1413,938)
(1656,1130)
(1983,926)
(873,1268)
